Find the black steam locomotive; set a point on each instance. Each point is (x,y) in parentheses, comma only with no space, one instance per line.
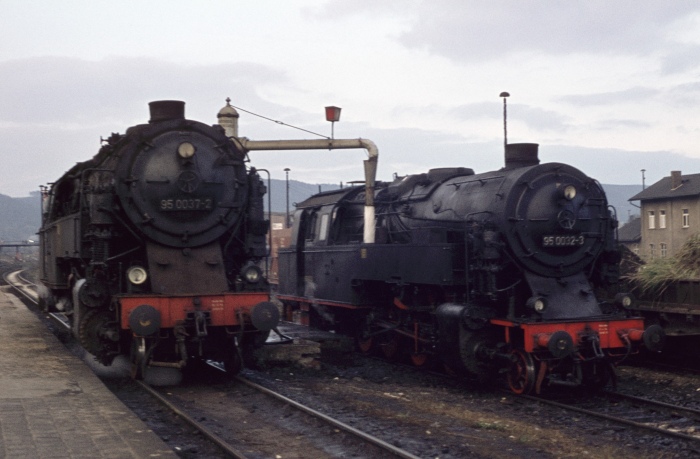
(151,248)
(500,271)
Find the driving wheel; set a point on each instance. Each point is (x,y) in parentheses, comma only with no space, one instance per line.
(521,374)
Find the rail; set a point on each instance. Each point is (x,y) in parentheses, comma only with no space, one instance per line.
(658,416)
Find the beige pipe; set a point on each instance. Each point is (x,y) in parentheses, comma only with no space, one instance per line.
(336,144)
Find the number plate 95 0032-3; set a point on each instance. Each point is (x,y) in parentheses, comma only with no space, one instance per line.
(562,241)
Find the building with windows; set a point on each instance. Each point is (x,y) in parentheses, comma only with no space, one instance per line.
(670,210)
(630,234)
(280,238)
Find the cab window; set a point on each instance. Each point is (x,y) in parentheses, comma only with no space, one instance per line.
(323,230)
(311,226)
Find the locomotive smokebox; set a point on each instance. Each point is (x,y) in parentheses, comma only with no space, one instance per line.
(166,110)
(521,155)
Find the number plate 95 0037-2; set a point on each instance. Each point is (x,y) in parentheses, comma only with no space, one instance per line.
(562,241)
(184,204)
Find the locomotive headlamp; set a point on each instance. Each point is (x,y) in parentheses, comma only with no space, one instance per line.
(252,274)
(185,150)
(569,192)
(537,303)
(136,275)
(624,300)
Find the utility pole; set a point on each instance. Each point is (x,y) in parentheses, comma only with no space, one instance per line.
(286,218)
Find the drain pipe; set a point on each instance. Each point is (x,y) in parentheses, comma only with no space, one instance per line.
(337,144)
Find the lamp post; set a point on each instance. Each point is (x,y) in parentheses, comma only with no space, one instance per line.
(332,115)
(505,95)
(286,218)
(643,185)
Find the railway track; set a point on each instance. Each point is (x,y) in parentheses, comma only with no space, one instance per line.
(27,290)
(360,440)
(240,404)
(669,420)
(22,286)
(362,436)
(279,426)
(227,448)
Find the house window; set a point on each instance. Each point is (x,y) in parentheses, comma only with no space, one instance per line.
(662,219)
(663,250)
(652,221)
(686,218)
(651,251)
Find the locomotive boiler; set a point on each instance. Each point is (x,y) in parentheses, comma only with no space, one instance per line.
(498,272)
(152,247)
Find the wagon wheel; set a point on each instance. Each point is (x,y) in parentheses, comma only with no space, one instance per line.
(521,374)
(389,345)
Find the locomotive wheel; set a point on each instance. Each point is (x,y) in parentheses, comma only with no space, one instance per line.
(449,370)
(472,345)
(260,337)
(138,357)
(94,294)
(233,361)
(92,326)
(521,374)
(420,359)
(389,345)
(246,350)
(365,344)
(597,375)
(47,303)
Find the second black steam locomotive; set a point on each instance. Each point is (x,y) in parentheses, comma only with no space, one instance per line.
(491,272)
(151,248)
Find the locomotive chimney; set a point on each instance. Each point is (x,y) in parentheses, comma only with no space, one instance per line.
(521,155)
(165,110)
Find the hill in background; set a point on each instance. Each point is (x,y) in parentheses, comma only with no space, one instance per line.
(618,196)
(20,217)
(298,191)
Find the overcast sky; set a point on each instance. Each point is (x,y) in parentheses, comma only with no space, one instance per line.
(611,87)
